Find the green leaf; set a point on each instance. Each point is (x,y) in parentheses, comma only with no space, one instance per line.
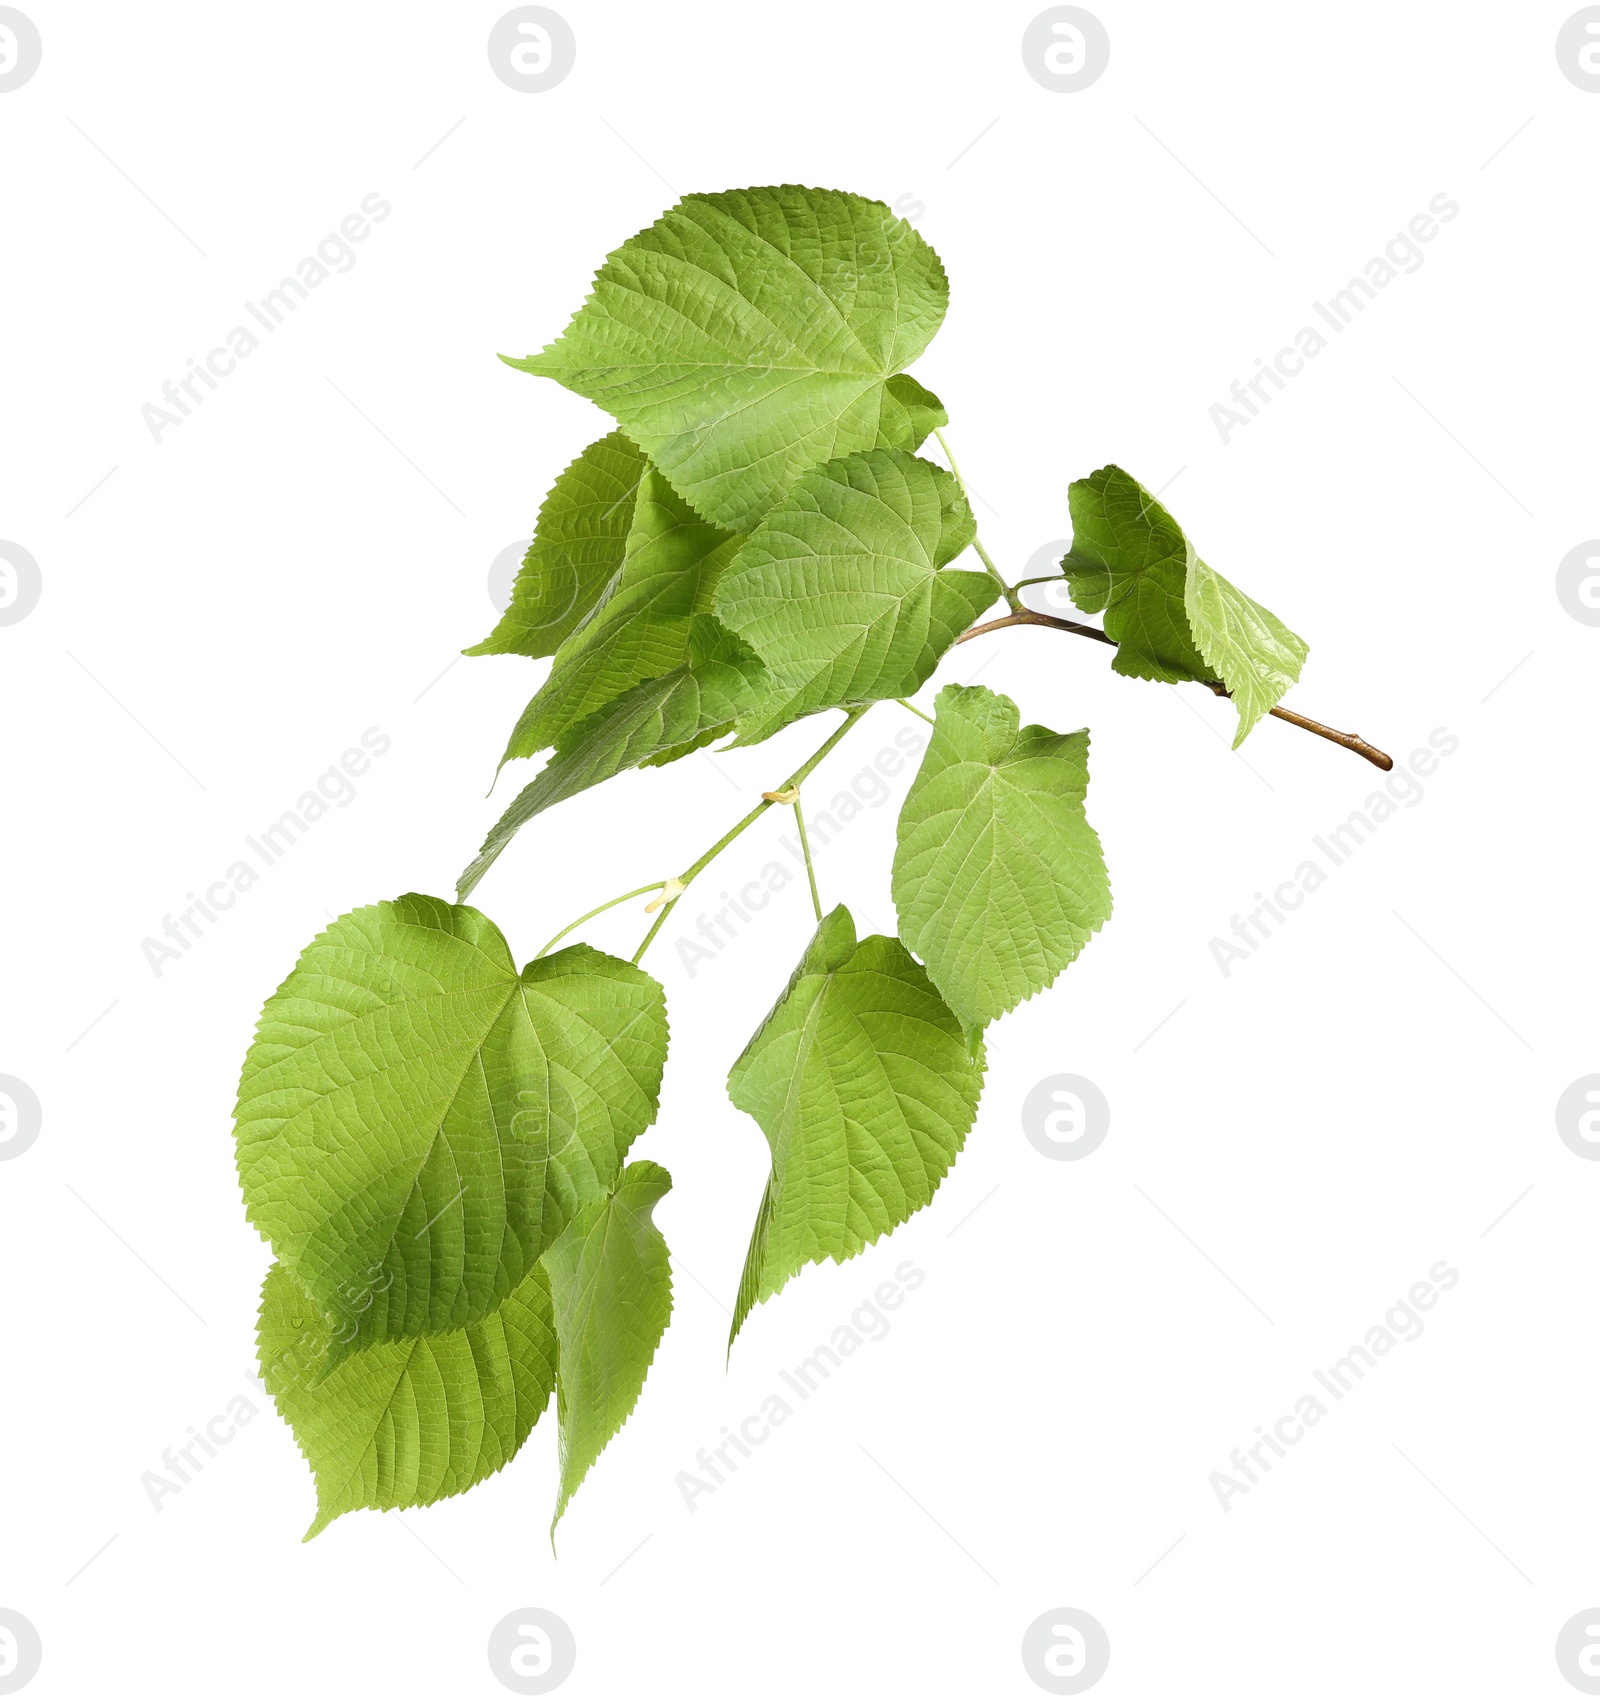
(407,1423)
(577,547)
(1130,558)
(639,629)
(999,879)
(910,414)
(1247,647)
(611,1284)
(839,589)
(655,722)
(747,336)
(862,1082)
(417,1122)
(1173,617)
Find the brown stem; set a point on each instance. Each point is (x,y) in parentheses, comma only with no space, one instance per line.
(1350,741)
(1031,617)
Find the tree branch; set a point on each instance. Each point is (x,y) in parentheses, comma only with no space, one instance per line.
(1031,617)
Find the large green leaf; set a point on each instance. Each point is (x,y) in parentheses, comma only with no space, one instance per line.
(747,336)
(611,1285)
(1173,617)
(999,879)
(839,590)
(656,721)
(577,546)
(639,629)
(863,1083)
(417,1121)
(407,1423)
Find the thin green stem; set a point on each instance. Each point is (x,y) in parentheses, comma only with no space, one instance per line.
(761,809)
(688,875)
(904,704)
(610,904)
(1007,591)
(805,846)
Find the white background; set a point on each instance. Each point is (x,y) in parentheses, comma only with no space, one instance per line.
(1365,1096)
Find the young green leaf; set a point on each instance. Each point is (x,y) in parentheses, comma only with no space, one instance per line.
(577,546)
(1173,617)
(864,1085)
(1130,558)
(655,722)
(998,879)
(840,591)
(639,629)
(747,336)
(910,414)
(407,1423)
(417,1121)
(1246,646)
(611,1285)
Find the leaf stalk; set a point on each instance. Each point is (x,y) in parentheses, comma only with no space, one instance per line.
(703,861)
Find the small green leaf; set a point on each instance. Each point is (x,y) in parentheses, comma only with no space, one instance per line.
(1247,647)
(863,1083)
(1130,558)
(407,1423)
(656,722)
(910,414)
(1173,617)
(577,547)
(611,1285)
(639,629)
(999,879)
(417,1122)
(747,336)
(839,590)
